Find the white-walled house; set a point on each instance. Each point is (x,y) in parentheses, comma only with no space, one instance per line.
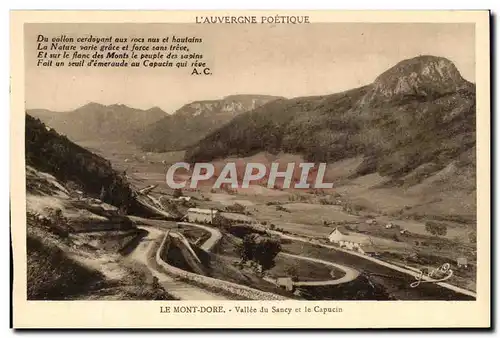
(336,236)
(183,198)
(285,282)
(346,240)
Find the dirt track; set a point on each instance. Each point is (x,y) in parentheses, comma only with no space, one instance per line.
(350,274)
(395,276)
(178,289)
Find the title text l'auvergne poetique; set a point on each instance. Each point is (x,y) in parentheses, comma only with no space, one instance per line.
(253,19)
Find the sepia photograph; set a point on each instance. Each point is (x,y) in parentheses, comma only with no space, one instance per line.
(251,157)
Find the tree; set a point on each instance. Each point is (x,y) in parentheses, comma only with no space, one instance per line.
(221,222)
(247,247)
(177,193)
(236,208)
(436,229)
(260,249)
(265,252)
(293,272)
(102,195)
(472,237)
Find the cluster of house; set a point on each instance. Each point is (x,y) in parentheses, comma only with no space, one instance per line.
(387,226)
(355,241)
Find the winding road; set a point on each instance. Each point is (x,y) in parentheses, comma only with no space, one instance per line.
(407,271)
(350,274)
(215,235)
(179,289)
(356,261)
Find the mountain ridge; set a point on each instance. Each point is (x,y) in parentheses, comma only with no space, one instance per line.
(97,121)
(194,120)
(419,111)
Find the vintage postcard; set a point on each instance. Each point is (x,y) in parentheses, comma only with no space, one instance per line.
(250,169)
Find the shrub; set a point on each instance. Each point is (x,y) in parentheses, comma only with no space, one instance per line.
(236,208)
(326,201)
(293,272)
(296,197)
(177,193)
(260,249)
(472,237)
(221,222)
(281,208)
(436,229)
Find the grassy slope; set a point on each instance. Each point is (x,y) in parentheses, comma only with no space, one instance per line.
(52,275)
(403,146)
(65,265)
(73,268)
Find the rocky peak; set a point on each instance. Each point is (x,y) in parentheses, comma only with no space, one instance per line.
(420,77)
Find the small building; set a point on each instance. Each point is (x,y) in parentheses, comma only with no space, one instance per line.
(403,232)
(462,262)
(196,215)
(285,283)
(389,226)
(336,236)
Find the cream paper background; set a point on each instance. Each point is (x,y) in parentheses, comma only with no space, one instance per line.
(146,314)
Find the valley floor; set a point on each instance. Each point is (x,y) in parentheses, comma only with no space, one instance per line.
(304,218)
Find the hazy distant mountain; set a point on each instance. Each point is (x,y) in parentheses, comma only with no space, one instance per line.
(194,121)
(97,121)
(418,114)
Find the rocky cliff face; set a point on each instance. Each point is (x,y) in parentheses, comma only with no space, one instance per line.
(421,78)
(195,120)
(229,106)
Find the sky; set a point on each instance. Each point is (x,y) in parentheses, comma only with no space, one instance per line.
(282,60)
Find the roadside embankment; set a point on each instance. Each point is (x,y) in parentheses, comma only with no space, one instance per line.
(239,291)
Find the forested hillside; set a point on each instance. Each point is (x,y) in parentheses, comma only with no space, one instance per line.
(50,152)
(421,112)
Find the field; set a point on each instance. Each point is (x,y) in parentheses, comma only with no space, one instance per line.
(284,266)
(303,269)
(350,204)
(396,284)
